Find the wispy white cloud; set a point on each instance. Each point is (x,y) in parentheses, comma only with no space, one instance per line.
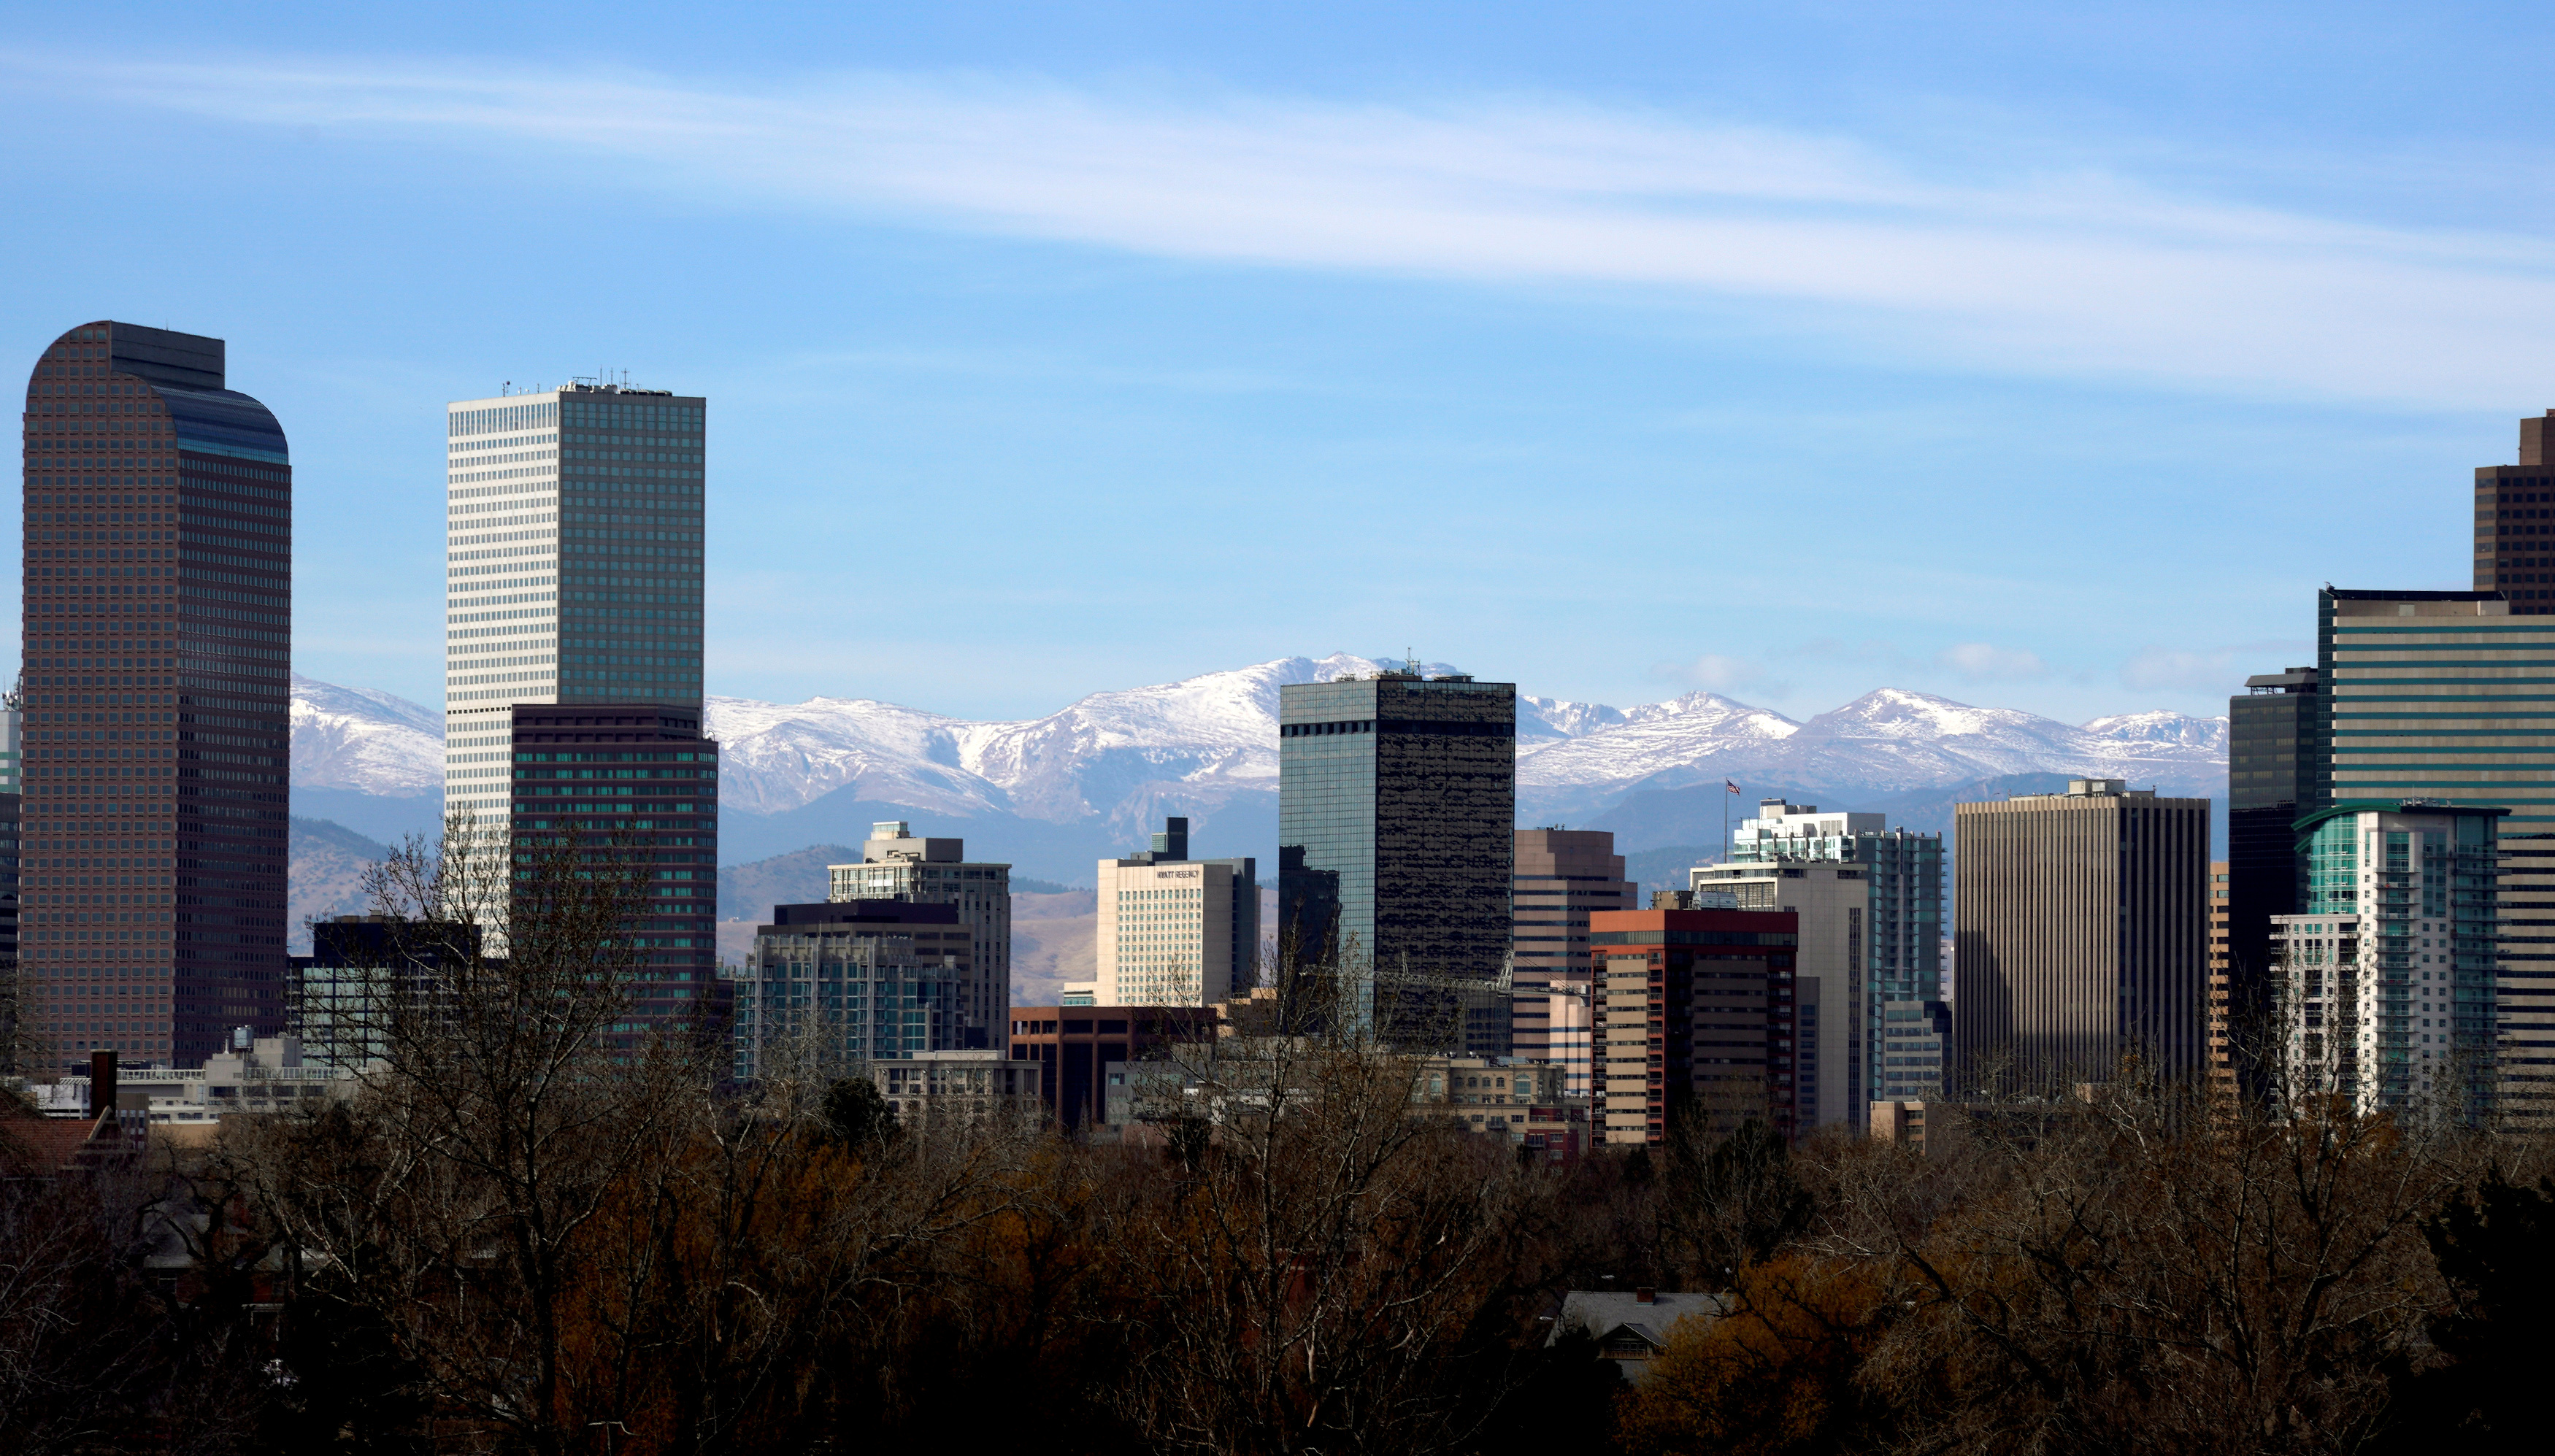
(1980,661)
(2214,670)
(2084,274)
(1717,673)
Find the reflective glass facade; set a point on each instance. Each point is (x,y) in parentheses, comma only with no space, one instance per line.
(2272,767)
(1397,807)
(158,595)
(2445,696)
(851,981)
(573,574)
(2385,979)
(640,776)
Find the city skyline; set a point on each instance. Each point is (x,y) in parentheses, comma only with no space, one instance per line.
(1574,281)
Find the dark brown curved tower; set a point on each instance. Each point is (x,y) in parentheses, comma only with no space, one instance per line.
(158,684)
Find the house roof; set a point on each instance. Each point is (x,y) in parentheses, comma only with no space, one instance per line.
(1602,1314)
(34,1146)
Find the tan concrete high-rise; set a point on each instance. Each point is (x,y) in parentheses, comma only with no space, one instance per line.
(572,536)
(2222,986)
(2080,937)
(1564,876)
(1172,930)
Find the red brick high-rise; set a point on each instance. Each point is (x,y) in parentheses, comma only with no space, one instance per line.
(2514,524)
(1697,1016)
(158,649)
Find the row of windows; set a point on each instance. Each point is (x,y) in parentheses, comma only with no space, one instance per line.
(657,757)
(500,418)
(630,415)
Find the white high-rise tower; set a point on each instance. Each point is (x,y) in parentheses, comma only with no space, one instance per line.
(572,566)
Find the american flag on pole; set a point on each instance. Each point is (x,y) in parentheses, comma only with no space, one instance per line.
(1733,787)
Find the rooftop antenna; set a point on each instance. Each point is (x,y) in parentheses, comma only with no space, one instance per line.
(1411,662)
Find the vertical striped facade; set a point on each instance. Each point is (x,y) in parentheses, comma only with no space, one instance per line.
(574,546)
(2450,696)
(2081,936)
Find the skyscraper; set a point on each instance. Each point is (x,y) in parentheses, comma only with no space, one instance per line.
(2435,696)
(2515,525)
(2385,977)
(1177,932)
(641,778)
(1564,876)
(1831,1056)
(1902,940)
(897,864)
(2272,767)
(158,652)
(852,981)
(1695,1017)
(1397,814)
(574,571)
(2081,936)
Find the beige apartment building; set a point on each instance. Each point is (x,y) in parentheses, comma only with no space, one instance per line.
(898,864)
(2080,937)
(1175,931)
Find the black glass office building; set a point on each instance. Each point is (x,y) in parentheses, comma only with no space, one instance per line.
(2272,761)
(1396,811)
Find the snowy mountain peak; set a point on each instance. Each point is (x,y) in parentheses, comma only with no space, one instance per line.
(356,738)
(1896,712)
(1349,665)
(2178,729)
(1712,708)
(1552,717)
(1659,743)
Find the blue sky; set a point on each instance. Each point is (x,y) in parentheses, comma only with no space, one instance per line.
(2045,360)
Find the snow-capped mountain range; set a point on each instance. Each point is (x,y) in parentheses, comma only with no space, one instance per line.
(1111,765)
(358,739)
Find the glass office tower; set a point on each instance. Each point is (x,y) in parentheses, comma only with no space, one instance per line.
(1397,807)
(574,571)
(2271,763)
(158,649)
(639,777)
(2438,698)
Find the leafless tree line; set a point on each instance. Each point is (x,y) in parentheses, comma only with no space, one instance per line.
(535,1229)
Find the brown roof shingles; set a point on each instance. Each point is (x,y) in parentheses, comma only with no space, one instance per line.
(32,1145)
